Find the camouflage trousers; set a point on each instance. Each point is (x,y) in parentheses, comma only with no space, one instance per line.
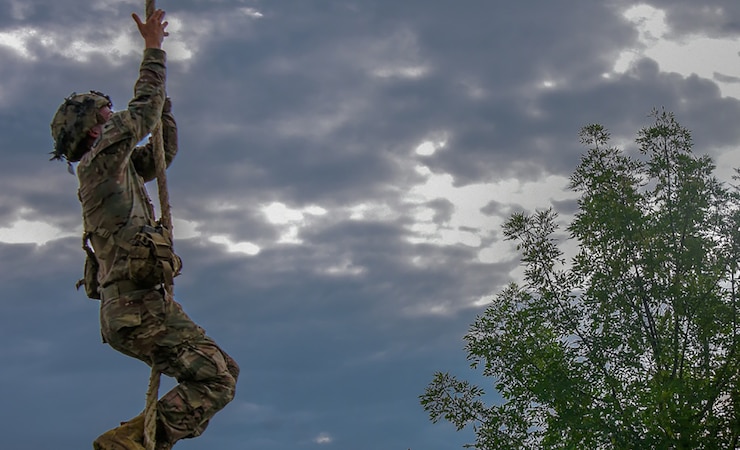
(152,327)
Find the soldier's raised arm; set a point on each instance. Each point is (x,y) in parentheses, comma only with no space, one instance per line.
(145,108)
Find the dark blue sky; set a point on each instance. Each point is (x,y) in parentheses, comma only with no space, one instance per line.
(344,170)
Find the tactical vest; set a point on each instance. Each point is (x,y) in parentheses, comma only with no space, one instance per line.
(145,245)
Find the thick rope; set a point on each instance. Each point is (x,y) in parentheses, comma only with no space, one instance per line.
(150,410)
(152,392)
(159,160)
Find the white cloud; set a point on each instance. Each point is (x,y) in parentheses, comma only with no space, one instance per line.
(372,211)
(444,308)
(117,43)
(323,438)
(694,54)
(111,6)
(430,147)
(649,21)
(401,71)
(727,160)
(426,148)
(279,214)
(120,38)
(190,229)
(251,12)
(344,267)
(290,220)
(247,248)
(397,55)
(32,232)
(18,40)
(468,224)
(185,229)
(499,251)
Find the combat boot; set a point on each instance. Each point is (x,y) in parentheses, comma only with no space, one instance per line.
(128,436)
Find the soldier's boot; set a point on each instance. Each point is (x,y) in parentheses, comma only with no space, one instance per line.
(128,436)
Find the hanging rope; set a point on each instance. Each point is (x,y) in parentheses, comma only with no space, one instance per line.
(152,393)
(150,410)
(159,161)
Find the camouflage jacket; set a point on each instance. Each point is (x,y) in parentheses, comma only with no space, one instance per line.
(112,175)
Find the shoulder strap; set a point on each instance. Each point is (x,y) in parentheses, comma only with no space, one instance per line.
(120,239)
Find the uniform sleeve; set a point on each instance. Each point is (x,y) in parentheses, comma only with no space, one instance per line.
(145,108)
(131,125)
(143,157)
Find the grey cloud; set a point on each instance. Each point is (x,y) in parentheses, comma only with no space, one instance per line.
(443,210)
(726,78)
(714,18)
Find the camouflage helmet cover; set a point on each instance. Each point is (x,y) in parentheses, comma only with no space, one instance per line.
(75,117)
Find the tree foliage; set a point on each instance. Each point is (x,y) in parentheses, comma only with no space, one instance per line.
(633,342)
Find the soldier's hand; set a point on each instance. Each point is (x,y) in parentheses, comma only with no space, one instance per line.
(153,30)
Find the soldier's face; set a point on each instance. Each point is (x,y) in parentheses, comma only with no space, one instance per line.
(106,112)
(97,130)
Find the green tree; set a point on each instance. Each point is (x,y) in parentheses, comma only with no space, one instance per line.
(632,343)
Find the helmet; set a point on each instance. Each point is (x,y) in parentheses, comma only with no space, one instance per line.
(75,117)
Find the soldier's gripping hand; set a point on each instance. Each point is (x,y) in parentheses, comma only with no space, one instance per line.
(153,30)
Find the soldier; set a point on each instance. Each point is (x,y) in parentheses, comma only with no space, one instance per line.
(133,262)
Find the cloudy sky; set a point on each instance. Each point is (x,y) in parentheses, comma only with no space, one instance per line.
(344,170)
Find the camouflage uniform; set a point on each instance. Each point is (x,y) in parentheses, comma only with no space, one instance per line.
(144,321)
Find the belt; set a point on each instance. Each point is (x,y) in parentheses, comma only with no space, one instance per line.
(118,288)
